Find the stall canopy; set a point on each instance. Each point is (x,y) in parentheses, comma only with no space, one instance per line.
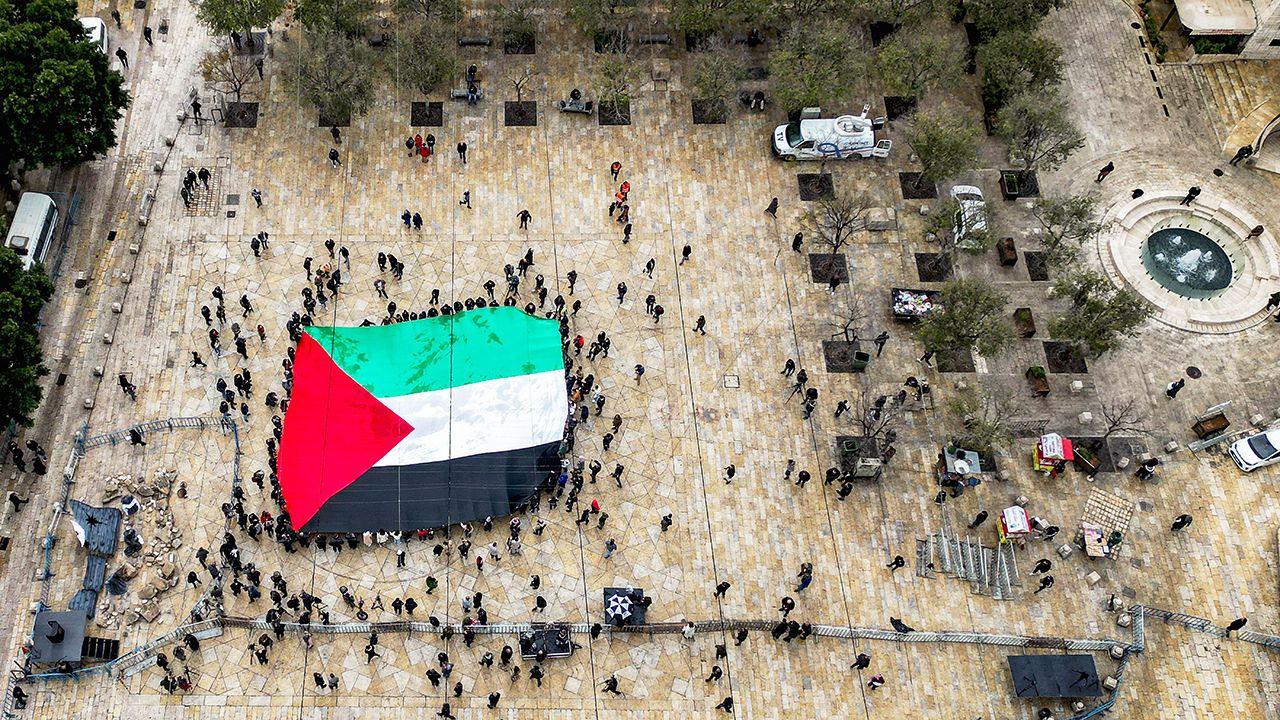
(423,423)
(1054,676)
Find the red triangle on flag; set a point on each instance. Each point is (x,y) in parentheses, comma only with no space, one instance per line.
(334,431)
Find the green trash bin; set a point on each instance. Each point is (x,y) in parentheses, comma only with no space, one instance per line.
(860,360)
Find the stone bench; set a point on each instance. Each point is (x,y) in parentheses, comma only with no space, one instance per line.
(462,94)
(654,39)
(474,41)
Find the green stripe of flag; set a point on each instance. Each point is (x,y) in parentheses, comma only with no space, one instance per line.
(446,351)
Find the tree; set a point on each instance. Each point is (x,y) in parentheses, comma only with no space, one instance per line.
(1122,414)
(834,221)
(814,65)
(446,12)
(912,63)
(1039,131)
(1068,223)
(1101,315)
(898,12)
(851,320)
(224,17)
(60,100)
(941,227)
(426,55)
(520,81)
(876,416)
(716,77)
(704,17)
(1017,62)
(994,17)
(986,414)
(347,17)
(333,72)
(945,146)
(971,316)
(516,18)
(615,80)
(598,16)
(811,8)
(22,294)
(228,71)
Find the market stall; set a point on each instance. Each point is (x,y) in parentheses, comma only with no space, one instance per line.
(1052,451)
(1015,524)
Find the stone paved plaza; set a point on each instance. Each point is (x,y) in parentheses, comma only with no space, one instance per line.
(705,402)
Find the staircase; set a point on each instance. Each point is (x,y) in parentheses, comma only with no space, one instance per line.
(989,570)
(1232,94)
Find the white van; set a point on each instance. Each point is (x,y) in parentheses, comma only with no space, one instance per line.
(31,232)
(847,136)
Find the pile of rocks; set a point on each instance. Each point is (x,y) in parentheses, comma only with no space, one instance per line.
(155,571)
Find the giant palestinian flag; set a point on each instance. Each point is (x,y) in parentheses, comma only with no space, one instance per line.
(424,423)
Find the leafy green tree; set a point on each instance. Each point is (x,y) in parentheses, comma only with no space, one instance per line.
(224,17)
(716,77)
(814,65)
(333,72)
(426,56)
(1101,315)
(704,17)
(898,12)
(348,17)
(445,11)
(1039,131)
(994,17)
(810,8)
(913,62)
(22,294)
(59,99)
(598,16)
(1068,223)
(517,22)
(1018,62)
(945,145)
(972,316)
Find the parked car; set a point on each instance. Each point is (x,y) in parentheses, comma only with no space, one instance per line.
(96,30)
(847,136)
(31,232)
(1256,451)
(971,217)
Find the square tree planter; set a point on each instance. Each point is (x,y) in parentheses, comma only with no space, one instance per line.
(520,114)
(816,187)
(242,114)
(519,44)
(614,114)
(710,112)
(907,182)
(1037,268)
(426,114)
(1023,322)
(1063,357)
(844,357)
(614,41)
(1038,381)
(825,266)
(955,360)
(896,106)
(933,267)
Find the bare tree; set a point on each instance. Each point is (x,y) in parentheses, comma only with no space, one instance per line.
(986,414)
(875,415)
(836,220)
(227,71)
(520,82)
(851,320)
(1123,415)
(615,79)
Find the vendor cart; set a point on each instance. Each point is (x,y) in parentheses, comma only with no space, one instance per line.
(1015,524)
(1051,450)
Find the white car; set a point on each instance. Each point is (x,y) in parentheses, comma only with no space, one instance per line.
(96,30)
(971,217)
(1256,451)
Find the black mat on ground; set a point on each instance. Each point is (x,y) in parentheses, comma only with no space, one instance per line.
(85,601)
(101,526)
(58,636)
(95,573)
(1054,676)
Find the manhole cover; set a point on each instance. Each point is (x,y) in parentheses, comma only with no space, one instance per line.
(1194,373)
